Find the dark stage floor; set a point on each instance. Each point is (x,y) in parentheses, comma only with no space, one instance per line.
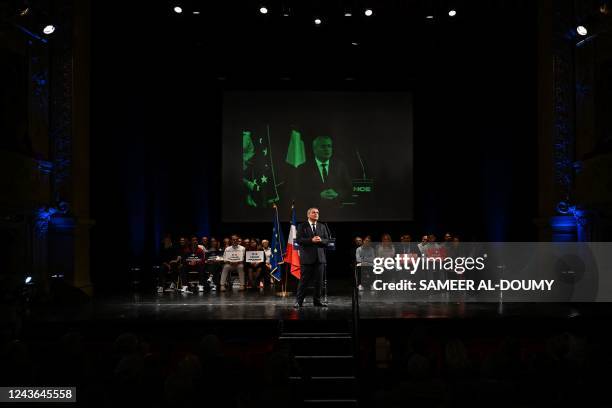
(267,306)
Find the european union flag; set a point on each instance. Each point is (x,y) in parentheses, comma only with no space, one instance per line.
(258,170)
(276,259)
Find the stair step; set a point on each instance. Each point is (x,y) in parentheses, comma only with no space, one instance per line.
(316,326)
(322,350)
(304,337)
(327,387)
(318,345)
(348,377)
(326,365)
(323,334)
(330,400)
(338,403)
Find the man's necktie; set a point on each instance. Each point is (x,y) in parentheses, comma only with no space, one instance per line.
(314,229)
(324,171)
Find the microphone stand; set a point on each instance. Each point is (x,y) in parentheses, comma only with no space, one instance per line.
(325,283)
(325,267)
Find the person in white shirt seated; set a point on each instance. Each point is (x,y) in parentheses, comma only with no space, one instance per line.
(364,257)
(234,260)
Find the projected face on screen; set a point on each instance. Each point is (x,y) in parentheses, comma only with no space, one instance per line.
(322,148)
(349,154)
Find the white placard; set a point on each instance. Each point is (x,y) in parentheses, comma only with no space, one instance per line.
(255,256)
(233,254)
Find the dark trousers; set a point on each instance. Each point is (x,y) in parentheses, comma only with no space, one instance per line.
(167,272)
(256,273)
(214,270)
(189,274)
(363,275)
(310,274)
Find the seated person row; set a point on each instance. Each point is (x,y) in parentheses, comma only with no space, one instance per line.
(262,245)
(211,264)
(180,264)
(428,245)
(234,259)
(365,252)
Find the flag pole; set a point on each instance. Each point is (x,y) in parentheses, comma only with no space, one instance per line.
(288,266)
(283,292)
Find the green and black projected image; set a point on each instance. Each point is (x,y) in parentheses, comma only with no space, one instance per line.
(348,153)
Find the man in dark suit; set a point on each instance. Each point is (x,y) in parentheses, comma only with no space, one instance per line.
(312,236)
(324,181)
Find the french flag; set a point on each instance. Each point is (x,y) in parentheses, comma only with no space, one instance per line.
(292,256)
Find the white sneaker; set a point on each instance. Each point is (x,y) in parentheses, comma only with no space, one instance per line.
(184,290)
(160,289)
(360,287)
(213,288)
(200,288)
(172,286)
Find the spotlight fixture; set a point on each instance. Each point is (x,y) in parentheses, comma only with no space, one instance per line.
(429,17)
(368,12)
(317,21)
(263,10)
(355,43)
(24,12)
(28,280)
(49,29)
(582,30)
(452,13)
(348,13)
(178,9)
(196,13)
